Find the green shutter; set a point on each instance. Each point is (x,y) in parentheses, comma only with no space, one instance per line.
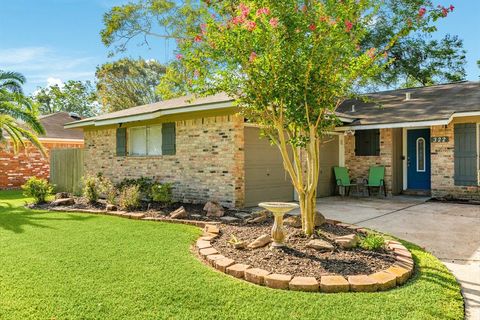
(121,142)
(465,154)
(168,138)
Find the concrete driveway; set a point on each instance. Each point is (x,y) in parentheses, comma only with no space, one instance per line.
(450,231)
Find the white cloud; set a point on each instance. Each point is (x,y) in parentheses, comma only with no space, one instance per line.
(51,81)
(15,56)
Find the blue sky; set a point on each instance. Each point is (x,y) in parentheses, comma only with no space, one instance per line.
(57,40)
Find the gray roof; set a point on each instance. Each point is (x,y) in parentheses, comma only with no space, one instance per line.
(54,122)
(437,102)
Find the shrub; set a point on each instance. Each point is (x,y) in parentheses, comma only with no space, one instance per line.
(144,184)
(372,242)
(162,192)
(91,186)
(129,198)
(37,188)
(108,190)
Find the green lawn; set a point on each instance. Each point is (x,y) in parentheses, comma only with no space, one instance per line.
(79,266)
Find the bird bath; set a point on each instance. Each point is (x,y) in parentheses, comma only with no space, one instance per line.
(278,209)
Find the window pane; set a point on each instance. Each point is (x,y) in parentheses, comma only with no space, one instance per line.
(420,154)
(138,141)
(155,140)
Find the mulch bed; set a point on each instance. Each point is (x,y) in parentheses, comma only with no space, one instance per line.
(297,259)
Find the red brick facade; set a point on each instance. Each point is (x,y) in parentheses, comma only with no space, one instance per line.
(15,169)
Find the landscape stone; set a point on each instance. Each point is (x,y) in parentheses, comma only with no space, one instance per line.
(208,251)
(347,242)
(111,207)
(229,219)
(319,219)
(243,215)
(202,244)
(304,284)
(213,209)
(223,264)
(293,221)
(180,213)
(384,280)
(320,245)
(62,195)
(210,228)
(331,284)
(400,273)
(278,281)
(214,257)
(258,219)
(63,202)
(196,216)
(362,283)
(261,241)
(256,275)
(237,270)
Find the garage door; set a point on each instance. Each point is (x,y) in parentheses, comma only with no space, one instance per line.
(265,177)
(329,154)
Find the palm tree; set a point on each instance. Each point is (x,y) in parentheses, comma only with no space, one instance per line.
(18,115)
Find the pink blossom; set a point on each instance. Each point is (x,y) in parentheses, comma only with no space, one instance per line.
(198,38)
(237,20)
(274,22)
(422,12)
(265,11)
(371,52)
(252,57)
(452,8)
(244,9)
(312,27)
(179,56)
(348,26)
(196,73)
(250,25)
(444,11)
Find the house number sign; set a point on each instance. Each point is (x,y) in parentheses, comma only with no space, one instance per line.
(439,139)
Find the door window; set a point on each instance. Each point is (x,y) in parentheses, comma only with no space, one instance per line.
(420,155)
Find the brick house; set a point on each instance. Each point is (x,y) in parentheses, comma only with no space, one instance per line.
(15,169)
(427,138)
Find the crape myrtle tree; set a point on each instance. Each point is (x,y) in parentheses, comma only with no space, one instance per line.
(289,64)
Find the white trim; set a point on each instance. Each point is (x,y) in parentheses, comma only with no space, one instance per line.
(405,158)
(410,124)
(55,140)
(424,154)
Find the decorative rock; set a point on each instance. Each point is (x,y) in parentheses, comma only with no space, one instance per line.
(237,270)
(293,221)
(404,260)
(400,273)
(239,245)
(384,280)
(261,241)
(208,251)
(331,284)
(243,215)
(347,242)
(403,253)
(319,219)
(362,283)
(63,202)
(111,207)
(278,281)
(214,257)
(258,219)
(223,264)
(229,219)
(62,195)
(202,244)
(180,213)
(408,267)
(304,284)
(213,209)
(196,216)
(208,237)
(210,228)
(320,245)
(256,275)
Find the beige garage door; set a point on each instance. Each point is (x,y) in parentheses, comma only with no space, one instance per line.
(329,153)
(265,178)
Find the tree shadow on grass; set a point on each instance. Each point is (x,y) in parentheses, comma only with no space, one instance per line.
(14,218)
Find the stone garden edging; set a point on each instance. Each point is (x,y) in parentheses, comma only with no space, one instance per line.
(394,276)
(389,278)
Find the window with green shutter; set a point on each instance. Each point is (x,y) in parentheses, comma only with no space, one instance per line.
(465,154)
(121,142)
(367,142)
(168,138)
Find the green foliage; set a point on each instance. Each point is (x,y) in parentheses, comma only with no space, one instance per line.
(129,198)
(16,109)
(74,96)
(128,83)
(107,189)
(37,188)
(144,184)
(91,188)
(372,242)
(162,192)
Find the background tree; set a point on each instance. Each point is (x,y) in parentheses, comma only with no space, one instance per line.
(419,59)
(73,96)
(128,83)
(18,116)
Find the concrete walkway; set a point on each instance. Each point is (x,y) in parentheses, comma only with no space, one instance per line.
(450,231)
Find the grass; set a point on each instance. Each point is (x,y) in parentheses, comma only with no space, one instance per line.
(79,266)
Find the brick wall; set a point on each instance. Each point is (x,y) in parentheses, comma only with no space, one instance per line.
(208,164)
(443,165)
(15,169)
(359,166)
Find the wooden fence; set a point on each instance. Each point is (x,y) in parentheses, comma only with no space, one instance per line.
(66,169)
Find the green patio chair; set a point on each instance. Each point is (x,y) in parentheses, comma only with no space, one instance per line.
(376,179)
(342,179)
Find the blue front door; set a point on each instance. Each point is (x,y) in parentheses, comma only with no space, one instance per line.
(418,159)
